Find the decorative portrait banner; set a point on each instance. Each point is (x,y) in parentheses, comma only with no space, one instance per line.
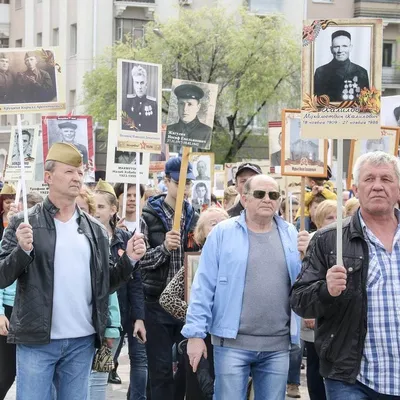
(342,72)
(275,146)
(76,130)
(191,114)
(121,165)
(301,157)
(30,137)
(31,80)
(390,114)
(139,106)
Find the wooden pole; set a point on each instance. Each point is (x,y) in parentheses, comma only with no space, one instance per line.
(302,202)
(22,161)
(181,188)
(339,186)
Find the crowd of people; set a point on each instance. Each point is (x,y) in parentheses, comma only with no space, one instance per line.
(77,279)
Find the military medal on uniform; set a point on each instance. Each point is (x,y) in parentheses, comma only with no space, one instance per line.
(148,110)
(351,89)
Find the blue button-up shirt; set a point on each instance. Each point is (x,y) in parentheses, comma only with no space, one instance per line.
(380,363)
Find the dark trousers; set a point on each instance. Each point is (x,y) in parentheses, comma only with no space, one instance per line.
(7,361)
(163,331)
(315,382)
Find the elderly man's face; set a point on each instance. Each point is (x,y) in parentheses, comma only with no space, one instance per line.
(188,109)
(4,64)
(378,189)
(140,85)
(340,48)
(201,168)
(31,63)
(68,134)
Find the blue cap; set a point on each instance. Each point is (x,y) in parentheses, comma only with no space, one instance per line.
(173,168)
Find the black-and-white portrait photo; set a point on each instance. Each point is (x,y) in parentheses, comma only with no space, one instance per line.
(371,145)
(27,145)
(191,114)
(390,112)
(27,77)
(202,169)
(201,195)
(126,157)
(302,149)
(139,97)
(231,170)
(275,143)
(342,62)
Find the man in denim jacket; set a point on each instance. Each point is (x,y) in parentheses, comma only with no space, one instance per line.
(240,295)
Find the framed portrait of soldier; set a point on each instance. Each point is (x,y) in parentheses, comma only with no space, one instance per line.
(275,145)
(201,195)
(390,114)
(341,85)
(30,137)
(121,165)
(139,101)
(191,114)
(301,157)
(389,143)
(31,80)
(191,263)
(74,130)
(203,166)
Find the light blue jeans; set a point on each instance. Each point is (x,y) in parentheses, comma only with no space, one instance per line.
(233,367)
(66,363)
(98,380)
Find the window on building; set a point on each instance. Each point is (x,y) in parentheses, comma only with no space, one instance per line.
(18,43)
(130,28)
(265,7)
(18,4)
(4,1)
(73,45)
(388,56)
(72,100)
(39,38)
(4,43)
(55,37)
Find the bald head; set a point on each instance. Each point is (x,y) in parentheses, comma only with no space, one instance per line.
(257,179)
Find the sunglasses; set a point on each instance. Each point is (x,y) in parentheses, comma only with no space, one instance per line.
(260,194)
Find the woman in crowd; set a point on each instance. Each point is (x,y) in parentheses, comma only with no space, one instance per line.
(351,206)
(173,297)
(86,201)
(230,194)
(7,196)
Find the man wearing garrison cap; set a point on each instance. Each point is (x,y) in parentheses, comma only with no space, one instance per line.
(68,133)
(61,261)
(34,84)
(7,80)
(340,79)
(189,131)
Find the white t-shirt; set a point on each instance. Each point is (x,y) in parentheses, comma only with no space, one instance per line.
(131,225)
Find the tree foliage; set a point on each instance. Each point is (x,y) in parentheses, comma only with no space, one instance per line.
(254,60)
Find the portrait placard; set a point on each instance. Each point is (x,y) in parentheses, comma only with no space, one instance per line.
(275,146)
(389,143)
(121,165)
(342,72)
(191,264)
(30,137)
(76,130)
(191,114)
(37,186)
(230,173)
(31,80)
(219,183)
(139,101)
(157,161)
(390,113)
(301,157)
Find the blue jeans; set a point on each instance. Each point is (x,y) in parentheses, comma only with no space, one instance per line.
(66,363)
(295,358)
(233,367)
(338,390)
(98,380)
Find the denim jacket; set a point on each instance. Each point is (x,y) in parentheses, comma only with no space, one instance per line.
(217,291)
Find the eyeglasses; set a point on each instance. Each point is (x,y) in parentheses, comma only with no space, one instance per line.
(260,194)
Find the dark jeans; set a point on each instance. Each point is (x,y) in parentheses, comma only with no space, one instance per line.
(163,331)
(315,382)
(338,390)
(7,361)
(295,358)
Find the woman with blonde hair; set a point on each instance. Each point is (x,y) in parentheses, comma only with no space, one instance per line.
(230,194)
(351,206)
(326,213)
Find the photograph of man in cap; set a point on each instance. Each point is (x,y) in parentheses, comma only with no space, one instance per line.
(68,133)
(7,80)
(34,85)
(189,131)
(141,108)
(340,79)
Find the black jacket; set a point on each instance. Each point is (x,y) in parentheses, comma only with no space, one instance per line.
(155,279)
(341,322)
(130,294)
(31,318)
(235,210)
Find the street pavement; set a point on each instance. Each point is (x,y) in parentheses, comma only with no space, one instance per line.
(118,392)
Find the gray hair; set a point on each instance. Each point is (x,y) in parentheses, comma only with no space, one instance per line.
(376,158)
(137,70)
(50,165)
(247,185)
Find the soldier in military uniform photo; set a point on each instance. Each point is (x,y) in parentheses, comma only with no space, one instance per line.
(396,113)
(340,79)
(141,109)
(68,132)
(189,131)
(7,80)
